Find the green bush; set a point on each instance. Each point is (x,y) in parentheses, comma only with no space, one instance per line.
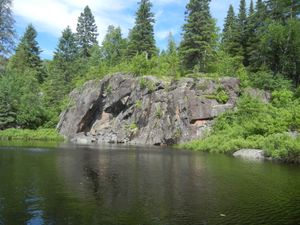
(21,95)
(220,95)
(282,146)
(267,81)
(255,124)
(25,134)
(282,98)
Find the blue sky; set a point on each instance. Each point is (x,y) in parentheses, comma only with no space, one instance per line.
(50,17)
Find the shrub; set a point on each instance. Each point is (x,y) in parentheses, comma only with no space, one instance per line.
(220,95)
(255,124)
(267,81)
(25,134)
(147,83)
(282,98)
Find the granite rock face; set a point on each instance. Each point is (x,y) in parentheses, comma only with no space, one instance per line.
(125,109)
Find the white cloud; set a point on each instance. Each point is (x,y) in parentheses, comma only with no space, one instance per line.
(164,34)
(52,16)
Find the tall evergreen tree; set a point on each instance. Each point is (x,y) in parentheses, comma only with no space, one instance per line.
(64,63)
(242,23)
(230,42)
(7,111)
(256,27)
(113,46)
(61,71)
(86,32)
(27,54)
(199,36)
(251,9)
(67,49)
(141,38)
(281,10)
(249,33)
(171,57)
(7,32)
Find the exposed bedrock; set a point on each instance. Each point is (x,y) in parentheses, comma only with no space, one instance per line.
(125,109)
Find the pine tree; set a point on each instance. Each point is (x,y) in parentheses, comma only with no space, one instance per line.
(242,22)
(7,32)
(64,64)
(67,49)
(27,54)
(171,57)
(230,42)
(249,34)
(256,26)
(113,46)
(172,48)
(199,36)
(86,32)
(141,38)
(251,9)
(281,10)
(7,112)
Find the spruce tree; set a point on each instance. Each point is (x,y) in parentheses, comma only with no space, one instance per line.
(199,36)
(171,57)
(7,112)
(242,22)
(249,33)
(251,9)
(67,49)
(86,32)
(230,42)
(113,46)
(141,38)
(281,10)
(256,28)
(64,62)
(27,54)
(7,32)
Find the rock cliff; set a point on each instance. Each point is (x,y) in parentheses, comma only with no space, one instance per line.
(125,109)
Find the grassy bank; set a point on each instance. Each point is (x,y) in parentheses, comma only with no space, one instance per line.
(31,135)
(259,125)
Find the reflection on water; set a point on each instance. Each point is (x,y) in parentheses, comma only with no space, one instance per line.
(139,185)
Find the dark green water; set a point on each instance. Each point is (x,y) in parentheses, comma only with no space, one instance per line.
(140,186)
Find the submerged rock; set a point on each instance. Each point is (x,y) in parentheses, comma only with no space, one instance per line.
(125,109)
(251,154)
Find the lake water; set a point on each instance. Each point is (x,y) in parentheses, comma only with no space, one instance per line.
(87,185)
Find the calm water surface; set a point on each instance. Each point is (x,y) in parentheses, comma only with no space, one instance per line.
(87,185)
